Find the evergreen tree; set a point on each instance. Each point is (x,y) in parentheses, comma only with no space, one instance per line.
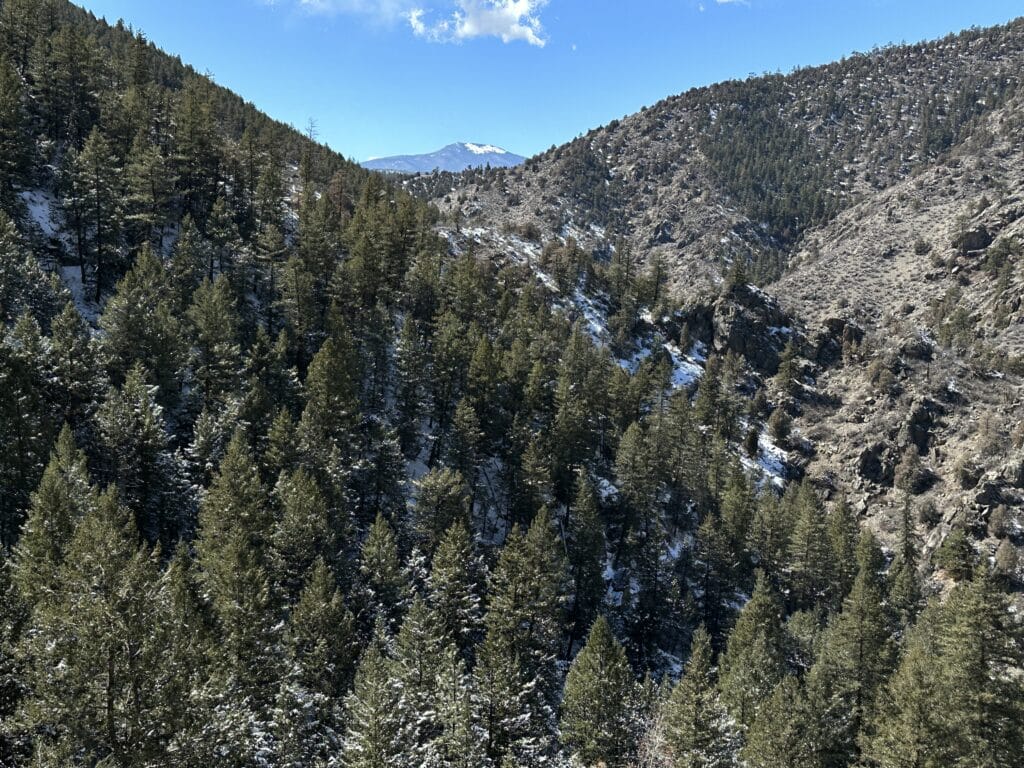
(416,667)
(461,741)
(782,736)
(453,588)
(65,496)
(95,644)
(385,582)
(95,183)
(515,671)
(15,147)
(809,565)
(27,426)
(586,554)
(442,500)
(373,738)
(78,379)
(150,187)
(904,584)
(754,661)
(698,731)
(321,634)
(302,535)
(235,526)
(855,659)
(596,713)
(140,325)
(216,356)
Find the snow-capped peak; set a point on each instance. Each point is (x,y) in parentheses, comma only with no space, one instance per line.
(484,149)
(454,157)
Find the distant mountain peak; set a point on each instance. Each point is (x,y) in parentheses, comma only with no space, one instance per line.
(454,157)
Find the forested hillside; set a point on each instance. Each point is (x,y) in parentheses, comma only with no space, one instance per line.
(296,472)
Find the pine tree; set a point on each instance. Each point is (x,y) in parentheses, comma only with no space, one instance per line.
(753,662)
(781,736)
(150,187)
(461,741)
(904,584)
(302,534)
(907,731)
(385,582)
(596,713)
(843,532)
(373,736)
(65,496)
(75,365)
(95,644)
(140,325)
(586,555)
(453,588)
(418,655)
(190,261)
(138,459)
(855,659)
(466,444)
(409,394)
(321,634)
(808,563)
(442,500)
(27,426)
(15,147)
(234,530)
(698,730)
(981,651)
(332,407)
(95,181)
(516,665)
(186,694)
(216,356)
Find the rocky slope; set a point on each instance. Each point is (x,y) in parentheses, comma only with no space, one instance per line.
(743,169)
(878,200)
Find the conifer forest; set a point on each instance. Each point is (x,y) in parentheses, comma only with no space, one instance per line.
(303,464)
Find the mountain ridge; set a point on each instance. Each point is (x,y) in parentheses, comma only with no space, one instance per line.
(455,157)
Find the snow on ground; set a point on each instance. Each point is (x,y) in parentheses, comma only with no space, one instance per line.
(41,207)
(484,149)
(72,277)
(769,464)
(686,367)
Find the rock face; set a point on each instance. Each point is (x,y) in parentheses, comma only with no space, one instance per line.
(922,420)
(750,323)
(975,239)
(877,463)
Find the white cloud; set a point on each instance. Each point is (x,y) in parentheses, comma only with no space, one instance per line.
(732,2)
(452,21)
(509,20)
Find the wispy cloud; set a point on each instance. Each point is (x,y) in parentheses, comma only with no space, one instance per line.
(509,20)
(448,21)
(380,10)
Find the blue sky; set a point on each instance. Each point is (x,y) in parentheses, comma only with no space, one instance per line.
(383,77)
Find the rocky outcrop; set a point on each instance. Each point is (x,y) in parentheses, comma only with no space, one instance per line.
(750,323)
(975,239)
(877,464)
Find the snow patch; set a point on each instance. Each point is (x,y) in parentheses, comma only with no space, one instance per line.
(41,206)
(485,149)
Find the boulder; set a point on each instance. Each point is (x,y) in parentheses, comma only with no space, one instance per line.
(877,464)
(974,239)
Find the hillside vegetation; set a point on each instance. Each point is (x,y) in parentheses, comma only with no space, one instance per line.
(300,469)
